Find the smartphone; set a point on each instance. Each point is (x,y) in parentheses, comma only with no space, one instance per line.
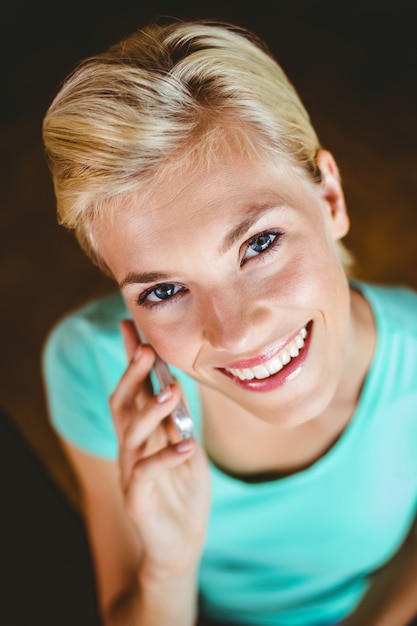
(180,417)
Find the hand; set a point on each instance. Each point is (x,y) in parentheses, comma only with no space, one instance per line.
(165,486)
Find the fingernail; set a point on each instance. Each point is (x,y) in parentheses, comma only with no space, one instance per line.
(137,353)
(185,446)
(164,395)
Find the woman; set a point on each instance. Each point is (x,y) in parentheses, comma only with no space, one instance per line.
(189,170)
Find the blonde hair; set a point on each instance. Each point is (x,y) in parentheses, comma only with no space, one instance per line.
(124,114)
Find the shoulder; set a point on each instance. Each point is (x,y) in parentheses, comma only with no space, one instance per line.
(83,359)
(394,306)
(86,345)
(391,383)
(99,315)
(95,321)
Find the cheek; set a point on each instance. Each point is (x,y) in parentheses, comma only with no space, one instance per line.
(307,278)
(315,285)
(173,342)
(311,279)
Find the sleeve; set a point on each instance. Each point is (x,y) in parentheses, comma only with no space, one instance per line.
(76,392)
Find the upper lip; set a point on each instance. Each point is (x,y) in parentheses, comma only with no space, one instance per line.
(264,355)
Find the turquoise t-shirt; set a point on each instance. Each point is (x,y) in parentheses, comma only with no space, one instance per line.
(297,551)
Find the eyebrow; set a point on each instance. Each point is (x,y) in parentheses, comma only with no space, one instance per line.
(240,229)
(236,233)
(143,277)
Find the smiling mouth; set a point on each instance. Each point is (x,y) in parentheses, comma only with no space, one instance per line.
(274,365)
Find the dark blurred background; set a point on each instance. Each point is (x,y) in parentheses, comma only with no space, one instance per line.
(354,65)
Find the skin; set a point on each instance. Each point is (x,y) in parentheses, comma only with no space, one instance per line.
(233,305)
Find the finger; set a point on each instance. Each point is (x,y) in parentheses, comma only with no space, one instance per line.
(130,336)
(129,457)
(146,421)
(145,434)
(147,471)
(171,430)
(133,390)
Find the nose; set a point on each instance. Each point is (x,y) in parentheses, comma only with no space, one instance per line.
(231,322)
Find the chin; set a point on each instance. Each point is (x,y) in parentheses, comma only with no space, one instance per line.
(303,407)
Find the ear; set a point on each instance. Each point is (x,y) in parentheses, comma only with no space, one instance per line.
(332,193)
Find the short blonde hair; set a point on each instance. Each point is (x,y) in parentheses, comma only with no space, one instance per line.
(124,114)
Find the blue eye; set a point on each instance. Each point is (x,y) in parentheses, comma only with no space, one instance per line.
(260,243)
(159,294)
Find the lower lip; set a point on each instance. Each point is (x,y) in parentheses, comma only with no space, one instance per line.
(281,378)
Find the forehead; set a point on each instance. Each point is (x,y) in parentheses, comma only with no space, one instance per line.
(227,183)
(196,203)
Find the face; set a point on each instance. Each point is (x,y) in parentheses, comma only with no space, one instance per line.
(234,277)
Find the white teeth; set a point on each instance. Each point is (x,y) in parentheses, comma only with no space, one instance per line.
(260,371)
(247,374)
(299,341)
(285,357)
(275,364)
(293,349)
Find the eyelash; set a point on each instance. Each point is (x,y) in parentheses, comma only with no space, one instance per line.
(143,298)
(278,234)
